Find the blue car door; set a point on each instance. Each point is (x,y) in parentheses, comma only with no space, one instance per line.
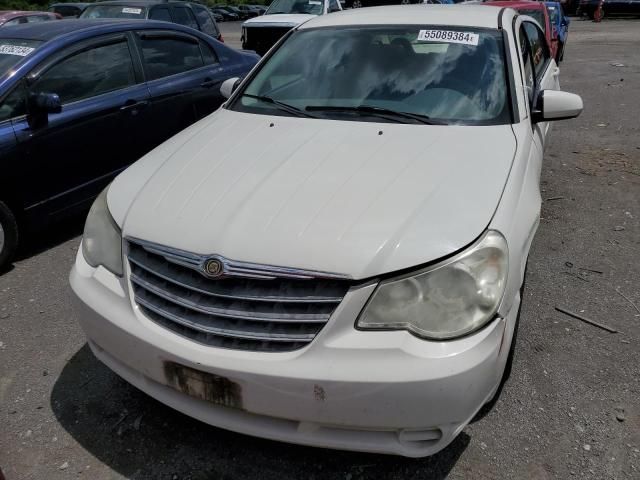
(73,154)
(9,161)
(183,75)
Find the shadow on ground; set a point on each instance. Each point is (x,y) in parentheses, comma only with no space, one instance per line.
(37,239)
(102,412)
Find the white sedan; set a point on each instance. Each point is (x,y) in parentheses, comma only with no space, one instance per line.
(335,257)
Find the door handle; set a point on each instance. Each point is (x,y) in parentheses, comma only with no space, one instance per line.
(133,106)
(208,83)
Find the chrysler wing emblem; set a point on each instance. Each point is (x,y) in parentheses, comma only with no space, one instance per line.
(213,268)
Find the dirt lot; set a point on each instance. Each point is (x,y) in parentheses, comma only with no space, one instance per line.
(570,410)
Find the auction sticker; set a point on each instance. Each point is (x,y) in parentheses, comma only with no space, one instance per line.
(448,36)
(137,11)
(15,50)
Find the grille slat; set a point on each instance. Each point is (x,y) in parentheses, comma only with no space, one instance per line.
(203,305)
(251,307)
(189,278)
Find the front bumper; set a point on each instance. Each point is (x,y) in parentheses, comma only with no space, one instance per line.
(384,392)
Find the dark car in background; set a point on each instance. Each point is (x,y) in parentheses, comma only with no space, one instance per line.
(248,10)
(231,9)
(68,10)
(17,17)
(609,7)
(260,8)
(189,14)
(226,14)
(80,100)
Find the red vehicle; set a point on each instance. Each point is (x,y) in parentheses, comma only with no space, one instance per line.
(538,11)
(17,17)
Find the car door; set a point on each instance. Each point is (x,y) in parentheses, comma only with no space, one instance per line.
(541,72)
(183,75)
(73,154)
(11,106)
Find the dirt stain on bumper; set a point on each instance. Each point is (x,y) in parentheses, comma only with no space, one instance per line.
(203,385)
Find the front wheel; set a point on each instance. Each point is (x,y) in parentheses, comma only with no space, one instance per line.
(8,236)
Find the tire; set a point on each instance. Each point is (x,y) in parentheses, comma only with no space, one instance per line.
(8,236)
(356,4)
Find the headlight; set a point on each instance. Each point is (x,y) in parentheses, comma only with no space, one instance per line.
(447,300)
(102,239)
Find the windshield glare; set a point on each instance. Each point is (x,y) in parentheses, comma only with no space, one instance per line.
(114,11)
(444,73)
(14,50)
(311,7)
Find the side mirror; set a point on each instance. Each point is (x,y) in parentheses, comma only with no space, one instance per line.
(228,86)
(556,105)
(44,103)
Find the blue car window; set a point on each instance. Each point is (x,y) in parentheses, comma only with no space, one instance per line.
(88,73)
(165,56)
(14,104)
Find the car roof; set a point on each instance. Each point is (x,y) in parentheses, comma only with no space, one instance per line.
(9,14)
(46,31)
(423,14)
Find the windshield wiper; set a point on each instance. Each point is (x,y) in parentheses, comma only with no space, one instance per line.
(281,105)
(372,110)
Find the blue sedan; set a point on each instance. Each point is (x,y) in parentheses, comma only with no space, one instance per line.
(80,100)
(560,25)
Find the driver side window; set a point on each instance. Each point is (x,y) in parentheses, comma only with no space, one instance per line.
(89,73)
(527,64)
(14,104)
(539,49)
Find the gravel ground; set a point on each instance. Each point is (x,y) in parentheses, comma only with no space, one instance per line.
(571,407)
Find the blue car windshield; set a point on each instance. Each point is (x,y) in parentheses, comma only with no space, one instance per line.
(553,13)
(13,50)
(114,11)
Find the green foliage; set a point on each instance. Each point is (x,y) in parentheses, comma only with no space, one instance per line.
(23,4)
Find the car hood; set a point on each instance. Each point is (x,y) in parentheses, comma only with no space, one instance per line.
(280,20)
(354,198)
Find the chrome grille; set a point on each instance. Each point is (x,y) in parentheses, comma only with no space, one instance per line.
(249,307)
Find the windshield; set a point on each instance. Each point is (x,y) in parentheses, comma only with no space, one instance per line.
(454,75)
(537,15)
(14,50)
(114,11)
(553,13)
(311,7)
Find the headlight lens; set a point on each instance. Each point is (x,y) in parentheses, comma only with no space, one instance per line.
(102,239)
(447,300)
